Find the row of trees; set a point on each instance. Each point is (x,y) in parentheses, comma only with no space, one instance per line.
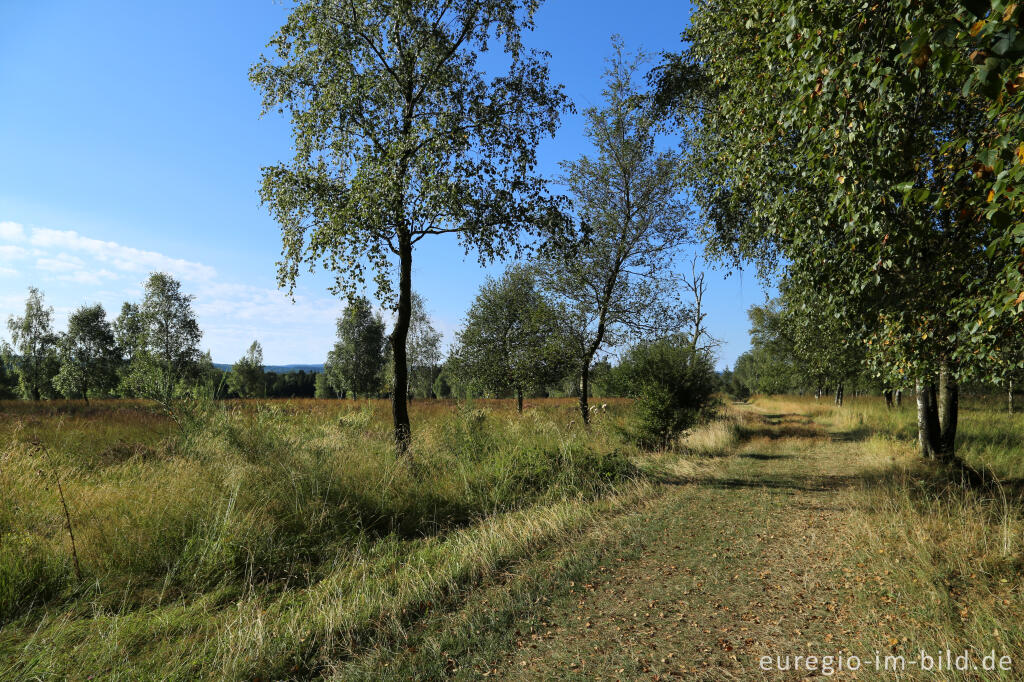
(150,350)
(788,356)
(519,339)
(865,156)
(798,351)
(516,341)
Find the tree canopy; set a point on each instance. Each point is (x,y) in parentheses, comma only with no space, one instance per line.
(824,149)
(87,354)
(978,46)
(33,353)
(247,377)
(423,350)
(356,363)
(167,349)
(672,383)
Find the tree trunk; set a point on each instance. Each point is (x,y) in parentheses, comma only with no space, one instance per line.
(934,428)
(585,392)
(927,420)
(888,398)
(899,397)
(400,392)
(923,437)
(839,394)
(519,400)
(1009,398)
(948,411)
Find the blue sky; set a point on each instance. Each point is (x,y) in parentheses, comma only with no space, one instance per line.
(130,141)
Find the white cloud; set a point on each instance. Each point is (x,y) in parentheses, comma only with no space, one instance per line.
(62,262)
(74,269)
(11,232)
(9,253)
(269,309)
(88,276)
(70,268)
(123,258)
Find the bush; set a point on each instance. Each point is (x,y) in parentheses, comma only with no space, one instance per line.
(672,385)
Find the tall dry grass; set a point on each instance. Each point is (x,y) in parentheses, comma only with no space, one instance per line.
(270,534)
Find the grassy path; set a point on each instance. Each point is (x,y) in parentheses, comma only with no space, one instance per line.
(734,564)
(800,541)
(790,529)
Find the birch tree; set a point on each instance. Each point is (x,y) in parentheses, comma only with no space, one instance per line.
(400,135)
(616,279)
(33,351)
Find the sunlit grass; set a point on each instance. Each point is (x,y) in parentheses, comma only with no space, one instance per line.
(271,534)
(284,538)
(953,554)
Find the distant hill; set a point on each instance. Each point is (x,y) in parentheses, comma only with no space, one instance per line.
(278,369)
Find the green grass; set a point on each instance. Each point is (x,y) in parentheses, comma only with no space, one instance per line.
(271,538)
(950,556)
(283,540)
(792,528)
(987,436)
(944,561)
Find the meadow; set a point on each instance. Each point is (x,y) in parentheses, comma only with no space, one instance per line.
(284,540)
(263,538)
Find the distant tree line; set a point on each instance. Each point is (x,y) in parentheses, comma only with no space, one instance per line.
(799,352)
(150,350)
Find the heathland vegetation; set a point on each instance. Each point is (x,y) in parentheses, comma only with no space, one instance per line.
(268,538)
(171,520)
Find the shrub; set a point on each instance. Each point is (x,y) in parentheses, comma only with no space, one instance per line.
(672,385)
